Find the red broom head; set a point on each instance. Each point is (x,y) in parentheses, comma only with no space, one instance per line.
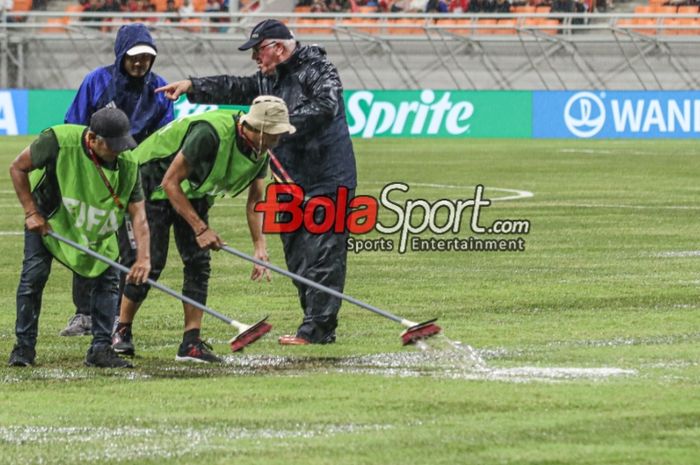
(250,335)
(420,331)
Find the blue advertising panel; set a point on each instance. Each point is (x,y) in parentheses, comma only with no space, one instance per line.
(14,109)
(622,114)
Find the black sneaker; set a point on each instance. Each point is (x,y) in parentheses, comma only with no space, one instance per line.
(199,351)
(105,357)
(122,343)
(22,356)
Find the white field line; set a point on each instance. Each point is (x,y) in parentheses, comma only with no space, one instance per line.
(517,194)
(620,206)
(80,444)
(680,254)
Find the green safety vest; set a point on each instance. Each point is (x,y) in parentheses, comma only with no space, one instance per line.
(86,212)
(232,172)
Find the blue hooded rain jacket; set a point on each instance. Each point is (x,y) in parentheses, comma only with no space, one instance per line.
(111,86)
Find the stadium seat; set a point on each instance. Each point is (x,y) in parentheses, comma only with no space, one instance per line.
(22,5)
(643,9)
(481,28)
(162,5)
(191,24)
(303,23)
(506,27)
(524,9)
(690,27)
(199,5)
(367,9)
(302,9)
(625,23)
(688,10)
(460,27)
(664,9)
(553,26)
(543,9)
(408,27)
(55,25)
(369,25)
(668,26)
(647,30)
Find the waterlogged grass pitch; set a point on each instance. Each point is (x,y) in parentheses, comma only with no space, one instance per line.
(581,349)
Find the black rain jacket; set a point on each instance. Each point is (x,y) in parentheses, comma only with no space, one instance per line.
(319,156)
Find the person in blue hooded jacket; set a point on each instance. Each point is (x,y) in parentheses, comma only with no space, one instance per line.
(128,84)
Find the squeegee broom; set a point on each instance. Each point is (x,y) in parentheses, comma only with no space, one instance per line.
(414,332)
(247,333)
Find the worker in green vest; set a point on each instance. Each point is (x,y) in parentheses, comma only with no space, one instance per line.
(76,181)
(183,166)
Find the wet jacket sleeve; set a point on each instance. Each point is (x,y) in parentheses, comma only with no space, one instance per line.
(322,89)
(83,105)
(224,89)
(168,115)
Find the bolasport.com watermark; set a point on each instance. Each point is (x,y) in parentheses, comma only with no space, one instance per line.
(421,225)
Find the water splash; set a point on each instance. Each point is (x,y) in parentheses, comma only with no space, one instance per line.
(446,351)
(456,360)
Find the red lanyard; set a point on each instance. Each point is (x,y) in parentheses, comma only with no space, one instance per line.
(104,178)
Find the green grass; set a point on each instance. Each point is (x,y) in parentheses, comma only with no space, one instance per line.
(609,278)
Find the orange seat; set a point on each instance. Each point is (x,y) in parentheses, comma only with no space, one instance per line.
(690,27)
(314,23)
(409,27)
(302,9)
(553,26)
(55,25)
(460,27)
(647,23)
(664,9)
(524,9)
(482,30)
(191,24)
(367,9)
(22,5)
(544,9)
(688,10)
(643,9)
(162,5)
(506,27)
(199,5)
(669,26)
(625,23)
(369,25)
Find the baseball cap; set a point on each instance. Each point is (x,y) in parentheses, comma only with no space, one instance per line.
(113,126)
(269,115)
(268,29)
(139,49)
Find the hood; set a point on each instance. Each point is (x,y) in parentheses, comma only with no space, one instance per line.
(129,36)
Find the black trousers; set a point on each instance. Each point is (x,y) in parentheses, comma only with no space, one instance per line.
(322,258)
(36,267)
(197,262)
(82,293)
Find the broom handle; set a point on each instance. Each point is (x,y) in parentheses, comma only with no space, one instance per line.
(318,286)
(149,281)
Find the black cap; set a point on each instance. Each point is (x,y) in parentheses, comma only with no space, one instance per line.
(268,29)
(113,126)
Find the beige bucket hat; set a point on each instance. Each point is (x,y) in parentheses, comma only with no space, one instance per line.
(269,114)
